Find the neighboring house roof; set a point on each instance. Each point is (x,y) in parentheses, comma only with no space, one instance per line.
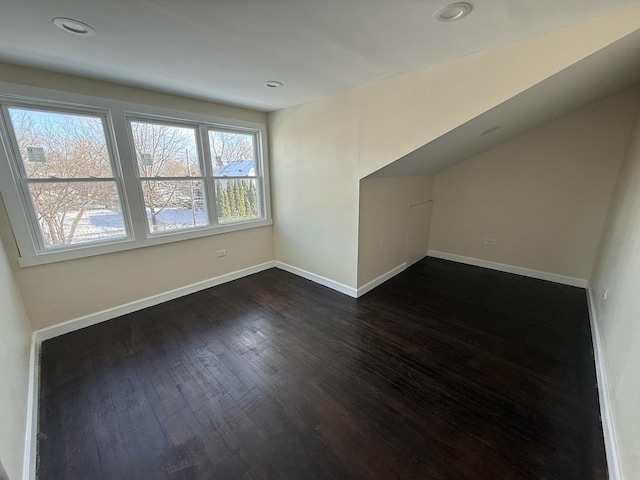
(242,168)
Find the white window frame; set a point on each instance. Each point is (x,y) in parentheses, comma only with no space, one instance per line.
(258,169)
(118,114)
(202,160)
(23,180)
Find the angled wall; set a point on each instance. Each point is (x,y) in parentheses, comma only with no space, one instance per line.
(394,224)
(320,150)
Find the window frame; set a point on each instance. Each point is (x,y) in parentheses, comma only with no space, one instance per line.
(202,160)
(118,114)
(23,180)
(258,172)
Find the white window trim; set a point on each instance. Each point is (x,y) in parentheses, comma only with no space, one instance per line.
(119,113)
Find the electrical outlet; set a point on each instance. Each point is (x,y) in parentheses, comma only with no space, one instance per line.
(605,293)
(488,241)
(221,253)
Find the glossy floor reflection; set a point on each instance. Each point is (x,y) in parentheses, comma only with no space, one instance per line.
(446,371)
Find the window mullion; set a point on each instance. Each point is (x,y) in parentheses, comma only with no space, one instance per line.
(137,216)
(263,184)
(48,228)
(29,230)
(210,187)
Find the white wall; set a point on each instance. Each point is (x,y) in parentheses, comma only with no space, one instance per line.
(617,270)
(14,372)
(57,292)
(542,197)
(394,222)
(320,150)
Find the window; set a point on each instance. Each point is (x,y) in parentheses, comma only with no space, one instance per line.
(83,176)
(66,171)
(236,174)
(170,174)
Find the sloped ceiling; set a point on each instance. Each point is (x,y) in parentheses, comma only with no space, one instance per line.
(612,68)
(223,50)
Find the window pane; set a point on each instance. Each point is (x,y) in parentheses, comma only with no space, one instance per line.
(237,200)
(61,145)
(232,154)
(165,150)
(77,212)
(174,204)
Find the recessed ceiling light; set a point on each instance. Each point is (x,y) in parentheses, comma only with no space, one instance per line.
(453,12)
(74,27)
(272,84)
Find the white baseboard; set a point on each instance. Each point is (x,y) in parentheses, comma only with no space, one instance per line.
(613,460)
(367,287)
(29,464)
(94,318)
(30,455)
(30,441)
(110,313)
(527,272)
(327,282)
(608,430)
(29,467)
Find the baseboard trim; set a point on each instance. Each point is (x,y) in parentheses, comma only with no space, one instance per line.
(39,336)
(608,430)
(367,287)
(527,272)
(110,313)
(30,441)
(29,464)
(327,282)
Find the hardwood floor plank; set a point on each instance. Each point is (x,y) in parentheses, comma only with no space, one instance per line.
(446,371)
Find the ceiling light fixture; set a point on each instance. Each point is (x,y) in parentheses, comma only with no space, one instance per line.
(273,84)
(453,12)
(74,27)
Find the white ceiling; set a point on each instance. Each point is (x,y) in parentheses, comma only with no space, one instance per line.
(222,50)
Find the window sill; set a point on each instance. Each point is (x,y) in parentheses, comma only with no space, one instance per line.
(90,250)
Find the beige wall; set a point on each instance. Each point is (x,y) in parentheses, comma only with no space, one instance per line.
(14,372)
(314,190)
(395,215)
(542,197)
(402,113)
(320,150)
(57,292)
(617,270)
(62,291)
(68,83)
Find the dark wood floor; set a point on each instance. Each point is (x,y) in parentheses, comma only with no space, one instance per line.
(444,372)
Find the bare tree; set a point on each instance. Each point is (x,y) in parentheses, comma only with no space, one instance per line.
(74,148)
(230,147)
(69,173)
(163,151)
